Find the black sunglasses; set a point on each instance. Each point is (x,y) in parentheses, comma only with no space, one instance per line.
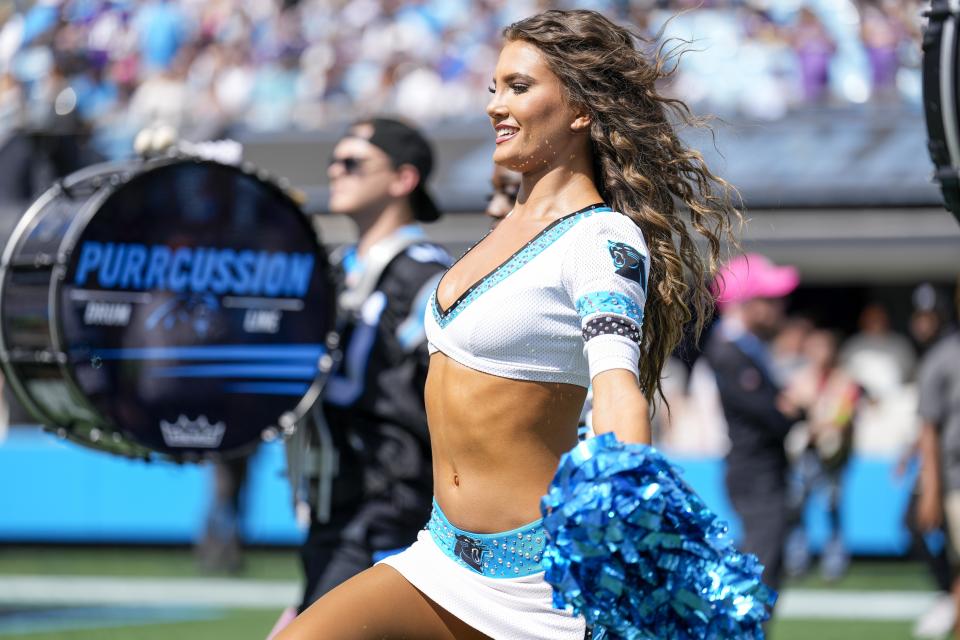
(351,164)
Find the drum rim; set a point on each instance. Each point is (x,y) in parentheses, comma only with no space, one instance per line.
(28,218)
(85,213)
(26,223)
(284,424)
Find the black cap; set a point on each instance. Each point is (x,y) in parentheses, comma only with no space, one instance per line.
(404,145)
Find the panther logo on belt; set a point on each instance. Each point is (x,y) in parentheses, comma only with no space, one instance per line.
(470,552)
(627,260)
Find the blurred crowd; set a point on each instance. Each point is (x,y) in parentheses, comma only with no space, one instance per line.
(879,360)
(111,67)
(859,393)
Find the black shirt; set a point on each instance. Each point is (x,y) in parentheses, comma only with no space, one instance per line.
(755,426)
(373,401)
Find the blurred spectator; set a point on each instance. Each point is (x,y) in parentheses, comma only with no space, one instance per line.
(273,94)
(814,48)
(276,64)
(751,292)
(880,360)
(881,31)
(221,547)
(764,67)
(939,408)
(787,348)
(929,322)
(161,27)
(162,98)
(700,427)
(675,380)
(930,318)
(929,544)
(11,104)
(506,188)
(820,448)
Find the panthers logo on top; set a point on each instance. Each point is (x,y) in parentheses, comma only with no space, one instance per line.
(628,261)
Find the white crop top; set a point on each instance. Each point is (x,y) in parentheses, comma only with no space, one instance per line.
(566,306)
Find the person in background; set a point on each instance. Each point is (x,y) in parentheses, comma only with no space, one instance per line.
(750,293)
(930,323)
(880,360)
(506,186)
(220,549)
(786,348)
(930,319)
(938,503)
(821,448)
(930,544)
(371,485)
(814,49)
(881,33)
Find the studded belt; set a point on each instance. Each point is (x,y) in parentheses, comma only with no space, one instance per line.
(510,554)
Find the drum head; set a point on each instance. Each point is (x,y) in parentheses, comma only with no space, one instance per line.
(194,308)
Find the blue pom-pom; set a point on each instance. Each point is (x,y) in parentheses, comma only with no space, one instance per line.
(636,552)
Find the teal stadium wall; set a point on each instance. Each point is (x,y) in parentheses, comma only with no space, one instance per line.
(58,492)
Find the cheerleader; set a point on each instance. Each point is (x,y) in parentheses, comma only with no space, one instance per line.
(590,279)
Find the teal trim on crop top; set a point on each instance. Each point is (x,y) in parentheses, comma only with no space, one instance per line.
(564,307)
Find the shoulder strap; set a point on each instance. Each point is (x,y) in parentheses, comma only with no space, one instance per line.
(380,255)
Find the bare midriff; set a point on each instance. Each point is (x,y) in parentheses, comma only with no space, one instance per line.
(496,443)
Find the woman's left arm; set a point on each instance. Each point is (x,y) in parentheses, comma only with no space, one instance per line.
(605,272)
(620,406)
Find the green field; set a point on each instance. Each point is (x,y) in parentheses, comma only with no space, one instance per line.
(839,630)
(226,625)
(272,564)
(255,624)
(281,565)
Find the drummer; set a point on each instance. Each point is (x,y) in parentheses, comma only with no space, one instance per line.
(373,403)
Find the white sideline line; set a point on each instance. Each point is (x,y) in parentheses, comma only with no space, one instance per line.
(853,605)
(273,594)
(91,590)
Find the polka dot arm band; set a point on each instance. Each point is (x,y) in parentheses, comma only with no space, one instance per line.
(611,325)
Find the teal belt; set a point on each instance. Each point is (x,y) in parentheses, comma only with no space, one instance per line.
(510,554)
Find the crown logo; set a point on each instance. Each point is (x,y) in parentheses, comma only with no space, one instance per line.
(192,433)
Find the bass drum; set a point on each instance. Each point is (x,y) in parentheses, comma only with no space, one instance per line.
(174,306)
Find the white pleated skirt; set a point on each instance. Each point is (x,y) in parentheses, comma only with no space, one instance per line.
(502,608)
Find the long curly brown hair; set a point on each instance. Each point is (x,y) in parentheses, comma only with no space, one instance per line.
(641,166)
